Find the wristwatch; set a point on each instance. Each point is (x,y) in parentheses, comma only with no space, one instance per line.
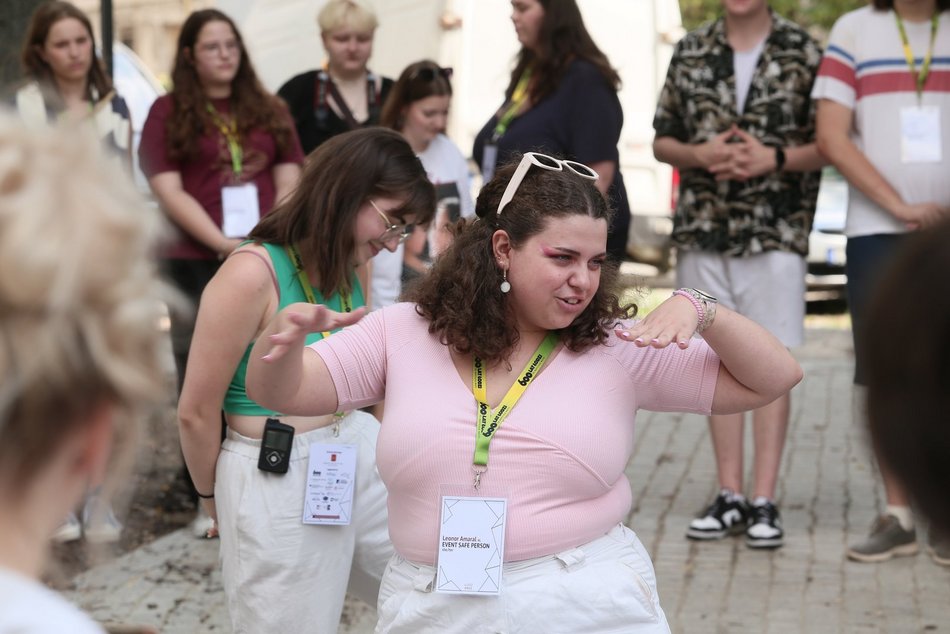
(705,306)
(779,158)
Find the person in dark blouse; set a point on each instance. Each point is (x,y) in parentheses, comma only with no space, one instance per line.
(561,99)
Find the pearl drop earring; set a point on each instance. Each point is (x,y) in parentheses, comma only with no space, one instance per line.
(505,285)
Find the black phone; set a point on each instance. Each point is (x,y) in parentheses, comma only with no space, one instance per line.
(275,447)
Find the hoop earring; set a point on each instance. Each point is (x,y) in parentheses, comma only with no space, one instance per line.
(505,285)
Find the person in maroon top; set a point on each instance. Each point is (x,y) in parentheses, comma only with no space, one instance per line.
(218,152)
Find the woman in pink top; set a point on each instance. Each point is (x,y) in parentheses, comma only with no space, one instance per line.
(512,384)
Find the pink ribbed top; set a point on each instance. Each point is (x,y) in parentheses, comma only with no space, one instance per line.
(559,457)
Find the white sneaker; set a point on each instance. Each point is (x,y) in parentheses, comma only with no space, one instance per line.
(99,522)
(69,531)
(203,526)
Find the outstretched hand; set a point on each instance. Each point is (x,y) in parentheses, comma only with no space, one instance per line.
(296,321)
(673,321)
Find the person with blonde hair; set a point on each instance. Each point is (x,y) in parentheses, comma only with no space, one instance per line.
(80,349)
(344,94)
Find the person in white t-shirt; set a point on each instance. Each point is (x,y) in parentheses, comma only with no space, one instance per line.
(80,350)
(883,120)
(418,107)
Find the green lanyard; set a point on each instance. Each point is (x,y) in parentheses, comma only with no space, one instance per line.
(919,77)
(518,98)
(485,430)
(229,130)
(345,300)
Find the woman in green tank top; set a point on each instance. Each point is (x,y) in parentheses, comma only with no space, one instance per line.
(359,193)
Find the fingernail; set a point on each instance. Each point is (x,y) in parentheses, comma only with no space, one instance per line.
(266,357)
(654,341)
(638,340)
(682,343)
(624,334)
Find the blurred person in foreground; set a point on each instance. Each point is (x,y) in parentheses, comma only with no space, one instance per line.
(80,349)
(418,108)
(367,187)
(67,86)
(561,99)
(512,382)
(218,151)
(735,118)
(883,121)
(908,374)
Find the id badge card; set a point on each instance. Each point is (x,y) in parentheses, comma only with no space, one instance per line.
(240,209)
(921,135)
(331,480)
(489,157)
(471,545)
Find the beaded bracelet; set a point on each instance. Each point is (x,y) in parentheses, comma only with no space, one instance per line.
(698,305)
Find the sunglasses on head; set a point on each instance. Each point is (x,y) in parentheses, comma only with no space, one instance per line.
(544,162)
(428,73)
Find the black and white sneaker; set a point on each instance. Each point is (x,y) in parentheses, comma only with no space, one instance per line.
(765,526)
(727,515)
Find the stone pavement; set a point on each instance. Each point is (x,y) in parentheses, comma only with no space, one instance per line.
(828,495)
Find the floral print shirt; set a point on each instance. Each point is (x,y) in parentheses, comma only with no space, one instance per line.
(698,101)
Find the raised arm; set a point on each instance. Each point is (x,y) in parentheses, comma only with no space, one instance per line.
(755,367)
(285,377)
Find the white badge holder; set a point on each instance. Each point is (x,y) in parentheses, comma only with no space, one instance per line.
(240,209)
(471,549)
(331,484)
(921,135)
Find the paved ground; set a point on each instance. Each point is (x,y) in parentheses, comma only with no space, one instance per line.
(828,495)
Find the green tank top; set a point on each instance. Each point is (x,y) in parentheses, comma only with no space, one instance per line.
(236,400)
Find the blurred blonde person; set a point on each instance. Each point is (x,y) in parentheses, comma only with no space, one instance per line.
(79,349)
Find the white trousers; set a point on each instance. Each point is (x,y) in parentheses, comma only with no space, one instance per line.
(606,586)
(279,574)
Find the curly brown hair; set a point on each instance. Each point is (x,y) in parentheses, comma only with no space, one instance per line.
(337,180)
(460,295)
(251,105)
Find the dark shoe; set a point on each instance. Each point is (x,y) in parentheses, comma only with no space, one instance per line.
(887,539)
(939,547)
(727,515)
(765,527)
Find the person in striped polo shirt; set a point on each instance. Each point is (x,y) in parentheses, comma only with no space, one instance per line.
(884,121)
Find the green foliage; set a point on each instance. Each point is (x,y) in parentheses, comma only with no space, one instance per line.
(815,15)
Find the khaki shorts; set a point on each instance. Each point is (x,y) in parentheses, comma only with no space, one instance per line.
(606,586)
(768,288)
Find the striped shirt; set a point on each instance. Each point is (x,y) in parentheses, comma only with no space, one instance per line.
(864,69)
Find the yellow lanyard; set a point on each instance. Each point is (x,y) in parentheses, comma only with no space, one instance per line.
(518,98)
(485,430)
(920,78)
(345,300)
(229,130)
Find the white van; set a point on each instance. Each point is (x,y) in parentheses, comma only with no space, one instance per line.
(636,35)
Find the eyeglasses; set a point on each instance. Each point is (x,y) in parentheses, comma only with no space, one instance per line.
(215,48)
(392,229)
(428,73)
(544,162)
